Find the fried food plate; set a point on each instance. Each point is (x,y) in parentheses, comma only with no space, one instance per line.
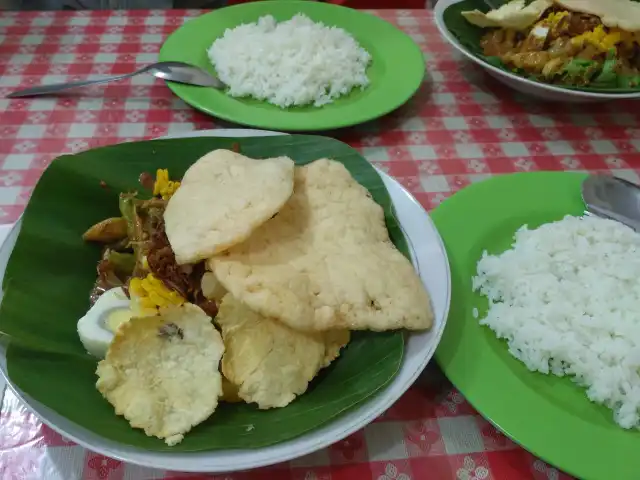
(519,83)
(430,259)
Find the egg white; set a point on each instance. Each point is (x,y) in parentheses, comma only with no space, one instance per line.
(97,328)
(540,31)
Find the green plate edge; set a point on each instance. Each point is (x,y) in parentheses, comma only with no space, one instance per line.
(469,35)
(396,72)
(547,415)
(51,349)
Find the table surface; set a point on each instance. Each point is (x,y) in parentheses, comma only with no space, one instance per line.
(461,127)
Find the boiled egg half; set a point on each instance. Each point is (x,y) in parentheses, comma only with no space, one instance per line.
(98,327)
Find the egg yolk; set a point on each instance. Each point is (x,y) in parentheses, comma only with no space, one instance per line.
(117,317)
(599,38)
(163,186)
(554,18)
(151,293)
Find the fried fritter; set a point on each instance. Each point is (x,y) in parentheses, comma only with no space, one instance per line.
(162,372)
(269,362)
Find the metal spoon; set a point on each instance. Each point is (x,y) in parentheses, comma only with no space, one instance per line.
(172,71)
(613,198)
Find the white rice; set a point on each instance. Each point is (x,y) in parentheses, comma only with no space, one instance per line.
(566,298)
(296,62)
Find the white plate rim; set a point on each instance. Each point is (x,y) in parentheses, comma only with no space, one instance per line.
(438,14)
(335,430)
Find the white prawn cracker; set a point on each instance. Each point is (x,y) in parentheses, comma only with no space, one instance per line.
(622,14)
(514,14)
(162,372)
(326,261)
(222,199)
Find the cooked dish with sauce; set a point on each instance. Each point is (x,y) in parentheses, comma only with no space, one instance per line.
(580,43)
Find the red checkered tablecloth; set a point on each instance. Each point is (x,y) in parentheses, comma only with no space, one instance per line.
(461,128)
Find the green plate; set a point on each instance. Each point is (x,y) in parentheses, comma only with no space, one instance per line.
(396,70)
(547,415)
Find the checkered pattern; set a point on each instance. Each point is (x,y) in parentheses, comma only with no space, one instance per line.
(460,128)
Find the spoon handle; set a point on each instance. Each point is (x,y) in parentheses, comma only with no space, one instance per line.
(613,198)
(58,87)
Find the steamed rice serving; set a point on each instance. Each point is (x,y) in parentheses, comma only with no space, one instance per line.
(291,63)
(566,298)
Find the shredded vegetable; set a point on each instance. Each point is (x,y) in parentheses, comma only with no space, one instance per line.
(137,254)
